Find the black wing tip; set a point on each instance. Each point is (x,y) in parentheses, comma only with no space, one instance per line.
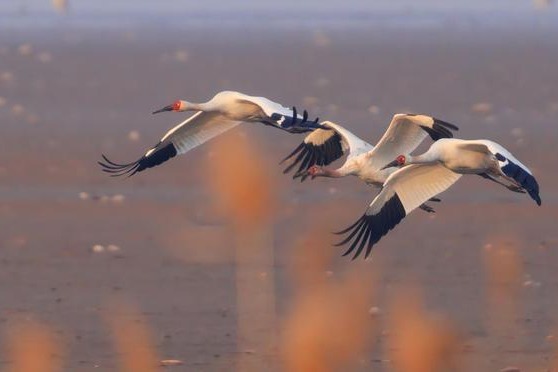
(523,178)
(355,232)
(535,196)
(500,157)
(438,121)
(302,175)
(308,154)
(341,232)
(369,229)
(300,153)
(446,124)
(117,169)
(295,151)
(440,129)
(298,125)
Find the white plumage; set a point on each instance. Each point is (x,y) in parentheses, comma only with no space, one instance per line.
(425,176)
(404,133)
(486,158)
(223,112)
(323,146)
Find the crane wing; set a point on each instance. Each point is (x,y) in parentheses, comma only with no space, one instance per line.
(281,116)
(496,148)
(194,131)
(268,106)
(475,147)
(405,133)
(510,166)
(324,146)
(404,190)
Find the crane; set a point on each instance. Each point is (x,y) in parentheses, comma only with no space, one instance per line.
(425,176)
(325,145)
(223,112)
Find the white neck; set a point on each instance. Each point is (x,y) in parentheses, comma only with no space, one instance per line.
(426,158)
(190,106)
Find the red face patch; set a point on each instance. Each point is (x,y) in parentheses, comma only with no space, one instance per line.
(176,105)
(401,160)
(313,170)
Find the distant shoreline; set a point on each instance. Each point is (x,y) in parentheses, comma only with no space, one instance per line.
(506,20)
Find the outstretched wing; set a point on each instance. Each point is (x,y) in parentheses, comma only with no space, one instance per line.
(282,117)
(404,190)
(192,132)
(405,133)
(512,167)
(324,146)
(293,122)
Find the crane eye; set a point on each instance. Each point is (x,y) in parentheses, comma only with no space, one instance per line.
(176,105)
(401,159)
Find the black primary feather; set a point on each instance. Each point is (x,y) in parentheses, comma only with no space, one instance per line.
(522,177)
(309,154)
(369,229)
(155,158)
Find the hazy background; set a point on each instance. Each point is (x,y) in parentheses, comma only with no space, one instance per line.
(510,14)
(82,79)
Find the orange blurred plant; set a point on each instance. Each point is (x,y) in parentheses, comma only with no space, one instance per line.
(240,181)
(131,337)
(329,324)
(33,347)
(420,342)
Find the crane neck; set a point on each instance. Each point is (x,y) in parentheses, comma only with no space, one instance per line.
(349,168)
(191,106)
(426,158)
(330,173)
(334,173)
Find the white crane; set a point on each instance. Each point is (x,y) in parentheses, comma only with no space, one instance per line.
(429,174)
(323,146)
(223,112)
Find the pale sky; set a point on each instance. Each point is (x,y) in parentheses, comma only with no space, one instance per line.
(290,5)
(126,13)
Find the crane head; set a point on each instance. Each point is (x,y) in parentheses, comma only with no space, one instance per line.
(175,106)
(315,171)
(398,162)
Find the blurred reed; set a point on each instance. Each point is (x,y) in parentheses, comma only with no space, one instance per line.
(132,339)
(240,182)
(32,347)
(504,274)
(242,186)
(328,327)
(61,6)
(420,342)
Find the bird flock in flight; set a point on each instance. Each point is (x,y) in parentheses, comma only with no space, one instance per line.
(405,181)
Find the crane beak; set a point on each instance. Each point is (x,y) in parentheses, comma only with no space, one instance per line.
(166,108)
(394,163)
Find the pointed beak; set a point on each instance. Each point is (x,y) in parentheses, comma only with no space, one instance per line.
(166,108)
(392,164)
